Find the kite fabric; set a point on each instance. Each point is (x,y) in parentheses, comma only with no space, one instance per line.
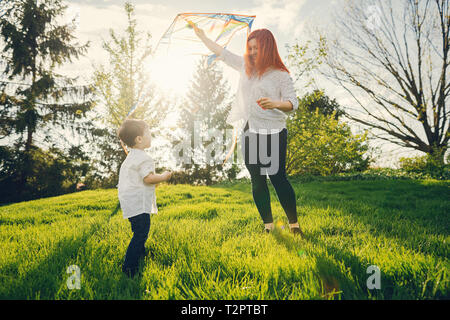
(219,27)
(180,38)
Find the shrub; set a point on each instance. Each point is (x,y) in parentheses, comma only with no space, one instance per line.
(320,144)
(425,165)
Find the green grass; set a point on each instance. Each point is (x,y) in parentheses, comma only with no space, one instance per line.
(208,244)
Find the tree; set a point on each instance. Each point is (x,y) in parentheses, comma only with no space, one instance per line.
(121,84)
(125,81)
(207,98)
(304,59)
(319,100)
(33,95)
(320,144)
(206,108)
(54,172)
(394,61)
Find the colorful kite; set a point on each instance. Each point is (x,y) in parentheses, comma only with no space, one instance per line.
(180,39)
(219,27)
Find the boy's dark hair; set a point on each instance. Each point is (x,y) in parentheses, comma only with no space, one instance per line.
(130,129)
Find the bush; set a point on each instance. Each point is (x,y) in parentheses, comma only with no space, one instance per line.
(207,175)
(373,174)
(51,172)
(425,165)
(415,164)
(320,144)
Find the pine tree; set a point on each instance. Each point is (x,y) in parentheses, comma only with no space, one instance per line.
(34,46)
(207,98)
(206,107)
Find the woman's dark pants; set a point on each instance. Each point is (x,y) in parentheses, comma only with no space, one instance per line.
(260,162)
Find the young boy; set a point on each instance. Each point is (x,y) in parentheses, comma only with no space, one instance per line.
(136,188)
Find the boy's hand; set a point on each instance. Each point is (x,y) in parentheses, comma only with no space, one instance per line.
(167,175)
(154,179)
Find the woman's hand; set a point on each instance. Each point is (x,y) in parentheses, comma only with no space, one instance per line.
(214,47)
(267,103)
(199,32)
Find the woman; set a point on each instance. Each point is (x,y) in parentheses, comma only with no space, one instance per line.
(265,95)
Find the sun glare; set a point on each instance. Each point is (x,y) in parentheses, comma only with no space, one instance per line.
(172,74)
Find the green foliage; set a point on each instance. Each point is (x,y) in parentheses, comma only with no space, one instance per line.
(207,175)
(206,107)
(106,156)
(415,164)
(208,243)
(303,60)
(319,100)
(319,144)
(124,80)
(38,106)
(52,172)
(372,174)
(428,165)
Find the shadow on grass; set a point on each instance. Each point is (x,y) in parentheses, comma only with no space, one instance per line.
(114,212)
(44,280)
(389,209)
(413,214)
(335,283)
(48,278)
(409,224)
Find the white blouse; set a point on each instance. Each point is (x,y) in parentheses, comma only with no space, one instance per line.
(135,196)
(274,84)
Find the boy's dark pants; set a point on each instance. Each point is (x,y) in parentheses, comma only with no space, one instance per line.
(140,225)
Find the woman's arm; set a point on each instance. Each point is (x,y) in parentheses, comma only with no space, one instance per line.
(288,101)
(214,47)
(234,61)
(285,106)
(267,103)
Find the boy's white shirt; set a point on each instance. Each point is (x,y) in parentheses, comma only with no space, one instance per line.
(135,196)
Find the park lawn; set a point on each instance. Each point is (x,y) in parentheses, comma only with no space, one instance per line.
(208,243)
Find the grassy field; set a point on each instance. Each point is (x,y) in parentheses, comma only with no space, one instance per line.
(207,243)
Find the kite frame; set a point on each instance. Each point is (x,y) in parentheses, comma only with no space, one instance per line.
(213,15)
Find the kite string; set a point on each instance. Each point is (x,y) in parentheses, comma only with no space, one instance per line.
(233,146)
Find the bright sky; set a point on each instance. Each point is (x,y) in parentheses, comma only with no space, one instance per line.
(287,19)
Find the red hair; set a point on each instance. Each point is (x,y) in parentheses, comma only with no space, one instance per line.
(267,54)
